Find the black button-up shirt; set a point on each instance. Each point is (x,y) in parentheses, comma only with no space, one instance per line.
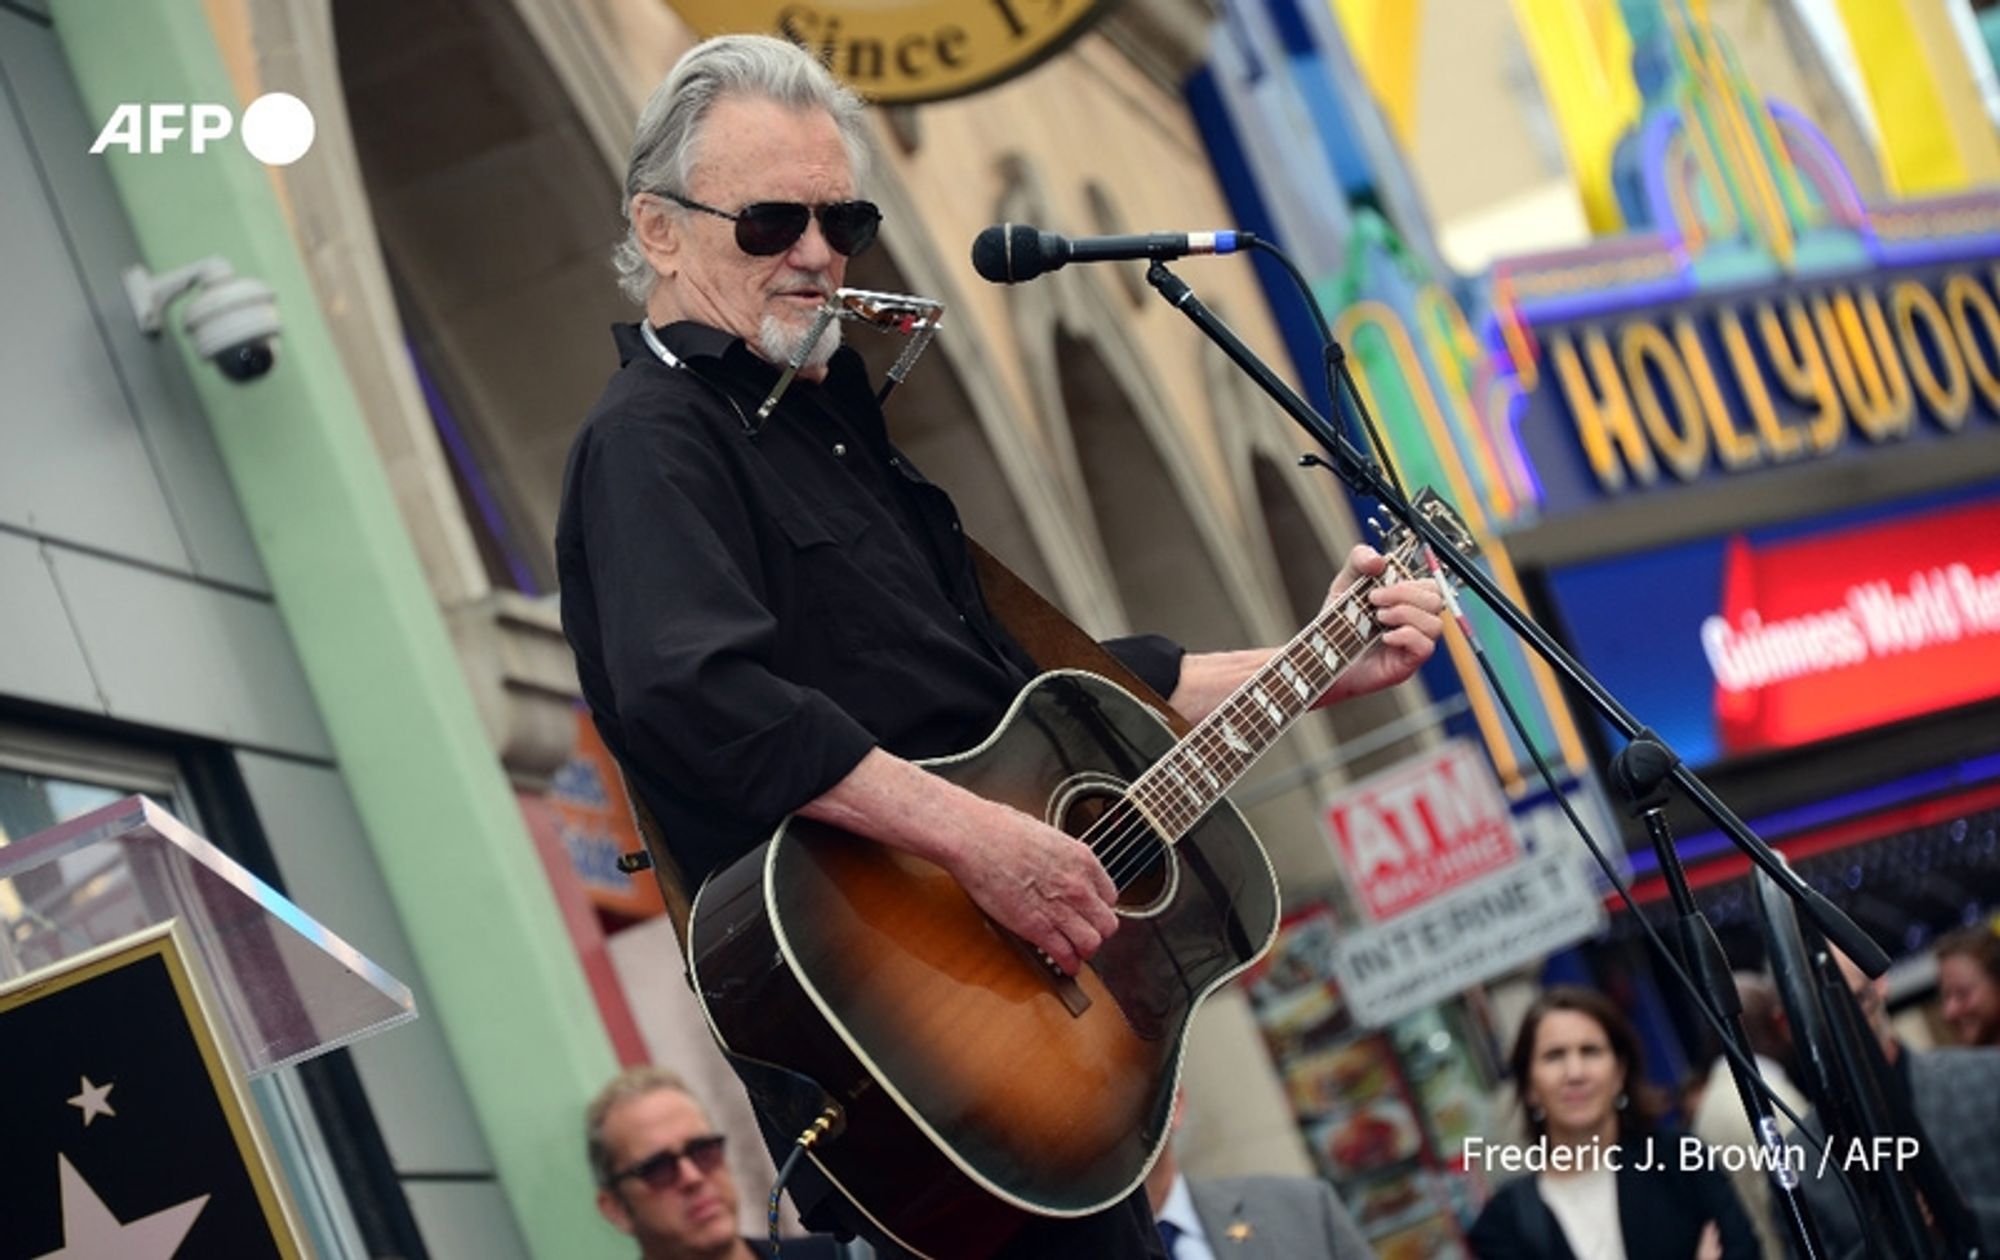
(753,607)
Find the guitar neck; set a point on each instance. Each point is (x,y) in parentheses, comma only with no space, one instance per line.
(1190,780)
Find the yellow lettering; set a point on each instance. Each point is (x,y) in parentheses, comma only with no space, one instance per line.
(1801,369)
(1737,450)
(1948,402)
(1682,439)
(1965,298)
(1603,413)
(1864,363)
(1780,441)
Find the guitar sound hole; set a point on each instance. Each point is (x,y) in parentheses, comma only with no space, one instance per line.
(1133,854)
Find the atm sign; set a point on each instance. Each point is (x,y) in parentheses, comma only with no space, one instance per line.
(1429,824)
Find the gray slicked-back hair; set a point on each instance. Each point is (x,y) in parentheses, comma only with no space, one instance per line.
(666,143)
(629,1083)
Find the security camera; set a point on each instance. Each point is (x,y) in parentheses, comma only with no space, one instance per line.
(231,319)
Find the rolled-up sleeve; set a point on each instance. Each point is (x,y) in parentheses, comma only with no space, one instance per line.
(1155,658)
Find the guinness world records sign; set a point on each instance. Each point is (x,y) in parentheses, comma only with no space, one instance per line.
(905,52)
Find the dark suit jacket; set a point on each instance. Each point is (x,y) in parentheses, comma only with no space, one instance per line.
(1660,1214)
(1276,1218)
(1956,1096)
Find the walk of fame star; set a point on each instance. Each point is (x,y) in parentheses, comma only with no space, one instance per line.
(91,1232)
(94,1101)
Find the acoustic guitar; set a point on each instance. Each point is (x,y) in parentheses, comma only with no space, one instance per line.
(979,1086)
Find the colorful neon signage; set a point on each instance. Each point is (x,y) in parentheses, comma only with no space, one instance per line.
(1793,635)
(1680,393)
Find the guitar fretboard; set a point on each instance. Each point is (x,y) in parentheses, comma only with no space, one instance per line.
(1184,785)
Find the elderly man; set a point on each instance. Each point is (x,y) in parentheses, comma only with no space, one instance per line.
(660,1174)
(773,617)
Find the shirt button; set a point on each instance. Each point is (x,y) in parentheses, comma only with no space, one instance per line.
(954,527)
(839,449)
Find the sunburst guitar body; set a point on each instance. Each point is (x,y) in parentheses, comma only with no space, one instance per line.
(977,1087)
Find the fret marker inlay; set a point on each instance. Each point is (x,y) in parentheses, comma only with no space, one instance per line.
(1290,673)
(1326,652)
(1201,767)
(1276,714)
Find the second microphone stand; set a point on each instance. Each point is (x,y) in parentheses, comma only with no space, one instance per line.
(1640,774)
(1364,478)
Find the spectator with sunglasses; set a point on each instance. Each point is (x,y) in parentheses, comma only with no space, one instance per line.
(662,1177)
(776,614)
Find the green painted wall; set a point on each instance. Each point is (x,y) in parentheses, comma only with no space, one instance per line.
(504,981)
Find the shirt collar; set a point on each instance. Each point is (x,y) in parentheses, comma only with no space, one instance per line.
(1179,1208)
(687,339)
(694,343)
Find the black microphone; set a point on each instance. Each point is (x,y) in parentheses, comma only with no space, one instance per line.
(1008,253)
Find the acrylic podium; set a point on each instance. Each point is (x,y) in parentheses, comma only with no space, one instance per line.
(145,977)
(287,988)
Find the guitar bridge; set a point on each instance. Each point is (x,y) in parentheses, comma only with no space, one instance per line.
(1067,990)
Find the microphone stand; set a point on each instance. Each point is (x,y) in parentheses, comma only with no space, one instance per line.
(1858,1064)
(1364,478)
(1923,1205)
(1640,774)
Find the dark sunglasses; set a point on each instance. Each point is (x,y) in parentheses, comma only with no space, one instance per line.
(764,228)
(662,1169)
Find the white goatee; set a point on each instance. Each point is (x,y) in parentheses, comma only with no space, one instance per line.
(779,342)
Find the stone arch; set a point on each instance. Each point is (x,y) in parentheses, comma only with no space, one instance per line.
(495,202)
(1076,343)
(1161,568)
(933,417)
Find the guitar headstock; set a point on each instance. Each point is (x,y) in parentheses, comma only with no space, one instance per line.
(1403,547)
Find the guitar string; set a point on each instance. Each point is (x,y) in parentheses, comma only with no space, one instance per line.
(1133,838)
(1132,847)
(1136,845)
(1134,829)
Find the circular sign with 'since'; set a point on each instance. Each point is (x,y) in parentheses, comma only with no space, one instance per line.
(903,52)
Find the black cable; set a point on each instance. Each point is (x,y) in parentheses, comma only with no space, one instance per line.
(1333,359)
(777,1188)
(805,1142)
